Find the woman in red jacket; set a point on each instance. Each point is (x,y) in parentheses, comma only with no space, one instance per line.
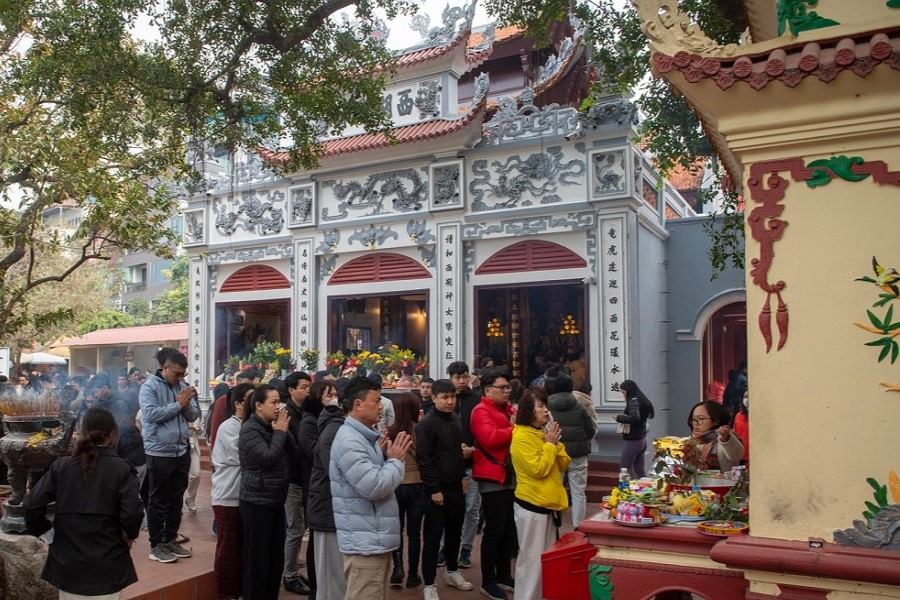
(491,424)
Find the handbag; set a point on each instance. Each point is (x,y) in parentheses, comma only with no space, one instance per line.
(623,428)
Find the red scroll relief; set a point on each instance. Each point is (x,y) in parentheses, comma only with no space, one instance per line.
(767,188)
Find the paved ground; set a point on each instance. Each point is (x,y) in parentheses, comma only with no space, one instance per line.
(153,575)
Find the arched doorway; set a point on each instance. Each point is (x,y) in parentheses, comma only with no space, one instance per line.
(537,318)
(724,346)
(362,317)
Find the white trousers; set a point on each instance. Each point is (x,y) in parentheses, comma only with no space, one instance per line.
(536,534)
(67,596)
(330,578)
(578,473)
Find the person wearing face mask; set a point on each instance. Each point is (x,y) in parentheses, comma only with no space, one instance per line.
(714,447)
(540,460)
(225,495)
(329,563)
(742,427)
(304,411)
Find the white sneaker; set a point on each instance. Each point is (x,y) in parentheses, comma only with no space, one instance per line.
(190,505)
(431,593)
(455,579)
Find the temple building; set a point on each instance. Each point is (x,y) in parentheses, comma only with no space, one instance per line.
(496,222)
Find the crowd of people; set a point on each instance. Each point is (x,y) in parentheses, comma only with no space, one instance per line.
(388,490)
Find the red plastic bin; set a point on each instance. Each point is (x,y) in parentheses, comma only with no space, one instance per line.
(565,568)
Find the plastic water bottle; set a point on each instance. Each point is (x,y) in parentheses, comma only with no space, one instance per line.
(624,479)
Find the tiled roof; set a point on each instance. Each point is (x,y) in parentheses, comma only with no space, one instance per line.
(823,60)
(403,135)
(687,178)
(124,336)
(502,34)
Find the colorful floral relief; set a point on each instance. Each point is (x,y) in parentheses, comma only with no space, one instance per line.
(881,321)
(881,528)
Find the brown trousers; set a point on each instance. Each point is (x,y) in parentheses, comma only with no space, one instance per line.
(367,576)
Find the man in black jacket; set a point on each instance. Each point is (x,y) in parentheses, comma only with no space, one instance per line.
(440,452)
(466,400)
(298,385)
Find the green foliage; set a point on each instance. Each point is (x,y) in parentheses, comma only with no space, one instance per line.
(108,318)
(173,305)
(670,130)
(92,118)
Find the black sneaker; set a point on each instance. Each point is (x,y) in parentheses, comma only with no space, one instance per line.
(492,591)
(413,581)
(465,559)
(506,583)
(297,586)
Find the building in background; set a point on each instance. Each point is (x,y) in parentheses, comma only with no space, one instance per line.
(501,223)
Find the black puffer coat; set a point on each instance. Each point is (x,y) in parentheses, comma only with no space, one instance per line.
(575,424)
(319,513)
(265,460)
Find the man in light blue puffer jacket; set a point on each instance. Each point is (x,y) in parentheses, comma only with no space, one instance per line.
(168,404)
(362,488)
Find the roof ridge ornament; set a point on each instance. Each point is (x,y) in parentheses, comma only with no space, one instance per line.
(490,36)
(567,48)
(455,20)
(671,31)
(481,85)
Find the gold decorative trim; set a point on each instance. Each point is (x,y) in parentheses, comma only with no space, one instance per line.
(670,31)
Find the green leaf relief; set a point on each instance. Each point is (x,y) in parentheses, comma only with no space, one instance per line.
(793,17)
(884,352)
(600,585)
(893,3)
(876,323)
(836,166)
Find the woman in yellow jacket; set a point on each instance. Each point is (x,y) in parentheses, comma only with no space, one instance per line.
(540,461)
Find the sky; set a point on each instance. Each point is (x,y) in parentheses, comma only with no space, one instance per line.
(401,36)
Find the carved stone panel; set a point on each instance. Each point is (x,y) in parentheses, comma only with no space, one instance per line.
(521,181)
(256,211)
(447,185)
(302,206)
(609,174)
(390,192)
(194,227)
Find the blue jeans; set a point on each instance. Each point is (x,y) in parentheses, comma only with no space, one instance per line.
(473,511)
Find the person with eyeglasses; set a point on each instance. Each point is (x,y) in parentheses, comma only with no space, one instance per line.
(168,404)
(714,446)
(492,430)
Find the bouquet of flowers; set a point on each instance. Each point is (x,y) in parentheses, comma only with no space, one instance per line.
(283,358)
(310,358)
(334,363)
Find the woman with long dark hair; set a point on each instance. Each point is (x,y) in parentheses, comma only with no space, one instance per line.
(98,513)
(638,409)
(407,408)
(225,495)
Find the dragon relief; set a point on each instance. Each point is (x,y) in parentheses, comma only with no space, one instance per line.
(254,214)
(521,181)
(404,188)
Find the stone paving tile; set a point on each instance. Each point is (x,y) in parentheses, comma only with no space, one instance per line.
(191,578)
